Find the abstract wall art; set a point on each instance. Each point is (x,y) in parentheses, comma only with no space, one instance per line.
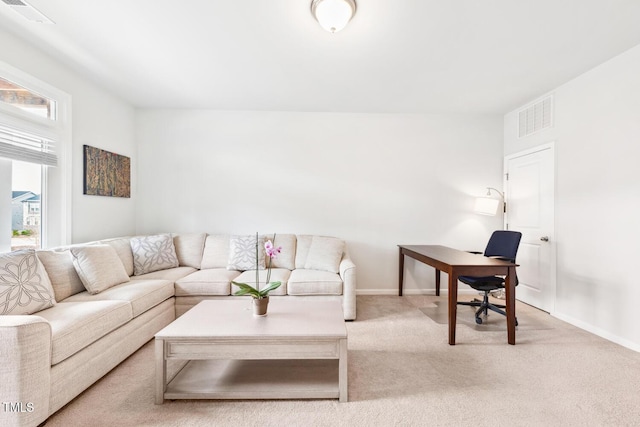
(106,173)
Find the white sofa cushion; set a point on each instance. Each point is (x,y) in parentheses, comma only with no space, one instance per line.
(24,285)
(212,281)
(142,294)
(171,274)
(153,253)
(314,282)
(189,248)
(324,254)
(242,253)
(98,266)
(75,325)
(277,275)
(61,272)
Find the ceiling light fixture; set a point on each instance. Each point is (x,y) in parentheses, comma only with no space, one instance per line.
(333,15)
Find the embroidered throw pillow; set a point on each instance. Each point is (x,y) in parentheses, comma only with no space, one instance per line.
(153,253)
(24,285)
(242,253)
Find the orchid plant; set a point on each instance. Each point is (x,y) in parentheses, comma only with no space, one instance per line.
(245,289)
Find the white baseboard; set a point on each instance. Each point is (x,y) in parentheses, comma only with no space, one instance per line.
(394,291)
(597,331)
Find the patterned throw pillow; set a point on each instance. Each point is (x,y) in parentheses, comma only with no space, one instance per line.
(153,253)
(24,285)
(242,253)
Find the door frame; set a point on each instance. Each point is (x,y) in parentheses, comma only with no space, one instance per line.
(553,233)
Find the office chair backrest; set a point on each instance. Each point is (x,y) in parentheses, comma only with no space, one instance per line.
(504,244)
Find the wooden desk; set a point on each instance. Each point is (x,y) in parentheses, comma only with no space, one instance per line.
(459,263)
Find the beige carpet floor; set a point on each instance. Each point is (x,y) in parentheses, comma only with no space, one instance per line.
(402,372)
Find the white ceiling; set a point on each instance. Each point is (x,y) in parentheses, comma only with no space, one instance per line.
(396,56)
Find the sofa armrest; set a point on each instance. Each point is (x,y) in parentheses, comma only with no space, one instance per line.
(348,276)
(25,369)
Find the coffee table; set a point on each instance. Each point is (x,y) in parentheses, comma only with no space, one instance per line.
(297,351)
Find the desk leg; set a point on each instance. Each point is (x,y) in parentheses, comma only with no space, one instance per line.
(437,282)
(400,271)
(453,306)
(510,291)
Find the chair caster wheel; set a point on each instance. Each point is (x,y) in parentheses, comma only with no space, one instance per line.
(516,321)
(478,321)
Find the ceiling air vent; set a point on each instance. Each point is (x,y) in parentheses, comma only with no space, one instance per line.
(27,11)
(535,117)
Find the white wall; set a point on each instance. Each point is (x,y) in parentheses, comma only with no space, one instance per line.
(100,120)
(375,180)
(597,134)
(5,208)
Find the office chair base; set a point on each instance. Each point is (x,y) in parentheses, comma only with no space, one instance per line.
(484,307)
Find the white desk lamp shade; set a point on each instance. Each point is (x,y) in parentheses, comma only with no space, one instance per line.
(333,15)
(486,206)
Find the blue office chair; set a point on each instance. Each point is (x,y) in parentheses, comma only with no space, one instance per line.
(502,245)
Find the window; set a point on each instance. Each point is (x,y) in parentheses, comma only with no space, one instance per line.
(26,100)
(27,160)
(35,163)
(26,190)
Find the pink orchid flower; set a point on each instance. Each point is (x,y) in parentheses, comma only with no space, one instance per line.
(271,250)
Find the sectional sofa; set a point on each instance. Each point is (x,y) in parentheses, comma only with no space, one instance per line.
(69,315)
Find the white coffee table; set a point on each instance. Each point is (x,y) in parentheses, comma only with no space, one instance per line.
(297,351)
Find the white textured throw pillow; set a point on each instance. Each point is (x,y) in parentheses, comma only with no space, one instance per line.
(325,254)
(242,253)
(287,257)
(189,248)
(153,253)
(24,285)
(99,267)
(62,274)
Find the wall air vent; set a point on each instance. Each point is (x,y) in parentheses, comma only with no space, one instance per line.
(27,11)
(535,117)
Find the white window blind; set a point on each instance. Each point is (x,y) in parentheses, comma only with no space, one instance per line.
(27,147)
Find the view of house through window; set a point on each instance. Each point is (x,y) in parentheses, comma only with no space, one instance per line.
(31,134)
(26,192)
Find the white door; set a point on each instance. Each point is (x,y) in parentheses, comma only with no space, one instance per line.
(529,194)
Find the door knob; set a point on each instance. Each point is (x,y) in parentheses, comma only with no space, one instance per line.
(545,238)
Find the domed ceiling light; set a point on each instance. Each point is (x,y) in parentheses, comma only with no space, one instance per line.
(333,15)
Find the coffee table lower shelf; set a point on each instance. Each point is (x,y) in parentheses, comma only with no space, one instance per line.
(256,379)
